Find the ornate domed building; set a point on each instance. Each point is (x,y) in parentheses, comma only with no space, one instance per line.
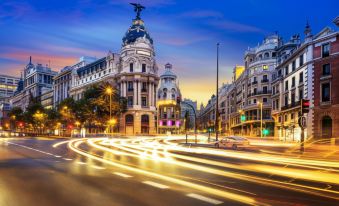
(137,78)
(169,98)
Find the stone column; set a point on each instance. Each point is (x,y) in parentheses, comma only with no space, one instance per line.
(149,94)
(139,93)
(135,93)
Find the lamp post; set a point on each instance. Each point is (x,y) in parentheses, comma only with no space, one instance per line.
(241,120)
(217,100)
(260,104)
(109,91)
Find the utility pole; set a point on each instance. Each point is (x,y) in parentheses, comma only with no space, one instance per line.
(217,96)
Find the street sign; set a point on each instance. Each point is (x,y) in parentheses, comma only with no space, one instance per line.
(302,122)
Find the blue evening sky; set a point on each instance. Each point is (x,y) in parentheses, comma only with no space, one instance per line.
(185,32)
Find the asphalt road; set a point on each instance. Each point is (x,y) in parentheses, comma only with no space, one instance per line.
(148,171)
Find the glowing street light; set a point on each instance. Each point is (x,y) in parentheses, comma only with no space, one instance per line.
(260,104)
(109,91)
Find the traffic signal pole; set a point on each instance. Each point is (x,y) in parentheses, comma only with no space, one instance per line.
(304,108)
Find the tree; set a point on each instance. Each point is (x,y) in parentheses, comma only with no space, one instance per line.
(35,114)
(16,116)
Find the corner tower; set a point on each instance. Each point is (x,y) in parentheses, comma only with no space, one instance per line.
(138,78)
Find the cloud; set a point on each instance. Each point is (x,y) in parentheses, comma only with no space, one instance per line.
(14,10)
(235,26)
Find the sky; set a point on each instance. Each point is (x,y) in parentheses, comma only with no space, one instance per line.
(185,32)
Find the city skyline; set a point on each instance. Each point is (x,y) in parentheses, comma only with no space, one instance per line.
(33,29)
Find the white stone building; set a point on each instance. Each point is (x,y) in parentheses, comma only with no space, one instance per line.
(169,97)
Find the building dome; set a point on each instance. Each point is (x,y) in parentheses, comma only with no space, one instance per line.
(136,31)
(168,72)
(168,90)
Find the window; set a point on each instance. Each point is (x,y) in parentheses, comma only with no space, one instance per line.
(264,90)
(301,60)
(293,82)
(325,92)
(286,99)
(264,78)
(301,94)
(293,98)
(144,87)
(292,116)
(254,91)
(326,69)
(131,67)
(325,50)
(293,65)
(143,101)
(286,85)
(279,73)
(130,86)
(130,101)
(285,117)
(265,67)
(301,77)
(254,101)
(143,68)
(264,100)
(277,104)
(286,70)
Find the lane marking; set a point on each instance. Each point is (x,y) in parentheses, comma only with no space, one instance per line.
(122,174)
(205,199)
(68,159)
(154,184)
(97,167)
(81,163)
(57,156)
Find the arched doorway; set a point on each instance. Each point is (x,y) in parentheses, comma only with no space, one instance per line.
(129,124)
(144,124)
(326,125)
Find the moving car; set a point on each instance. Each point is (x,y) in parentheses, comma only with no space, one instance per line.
(233,142)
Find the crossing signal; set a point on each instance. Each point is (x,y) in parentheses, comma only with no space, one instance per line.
(305,106)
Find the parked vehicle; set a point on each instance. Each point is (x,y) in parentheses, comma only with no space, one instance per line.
(233,142)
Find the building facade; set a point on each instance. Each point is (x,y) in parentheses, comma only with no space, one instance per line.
(134,73)
(8,85)
(37,79)
(168,105)
(326,83)
(189,106)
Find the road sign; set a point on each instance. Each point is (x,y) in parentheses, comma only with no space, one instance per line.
(302,122)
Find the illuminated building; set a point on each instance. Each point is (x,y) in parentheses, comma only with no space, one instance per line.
(8,85)
(37,79)
(169,97)
(185,108)
(291,83)
(326,83)
(134,72)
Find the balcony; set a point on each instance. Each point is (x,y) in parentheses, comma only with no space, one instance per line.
(264,81)
(143,90)
(254,82)
(261,93)
(130,89)
(290,106)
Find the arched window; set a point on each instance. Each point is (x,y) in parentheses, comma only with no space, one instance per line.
(129,119)
(164,93)
(173,91)
(266,55)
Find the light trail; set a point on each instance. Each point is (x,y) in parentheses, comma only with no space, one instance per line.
(257,180)
(232,196)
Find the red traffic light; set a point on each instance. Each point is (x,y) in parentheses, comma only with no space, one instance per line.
(305,106)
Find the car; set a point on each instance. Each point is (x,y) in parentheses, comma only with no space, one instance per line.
(233,142)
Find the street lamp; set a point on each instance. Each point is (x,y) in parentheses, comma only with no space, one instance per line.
(109,91)
(217,96)
(260,104)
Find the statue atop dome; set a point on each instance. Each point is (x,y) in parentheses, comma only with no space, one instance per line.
(138,8)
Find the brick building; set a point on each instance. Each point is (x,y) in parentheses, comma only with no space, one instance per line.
(326,84)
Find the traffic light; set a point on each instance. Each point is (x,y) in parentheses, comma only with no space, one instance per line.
(178,100)
(305,106)
(265,132)
(242,118)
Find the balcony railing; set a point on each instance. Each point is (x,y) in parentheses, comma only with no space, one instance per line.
(254,82)
(264,80)
(261,92)
(290,106)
